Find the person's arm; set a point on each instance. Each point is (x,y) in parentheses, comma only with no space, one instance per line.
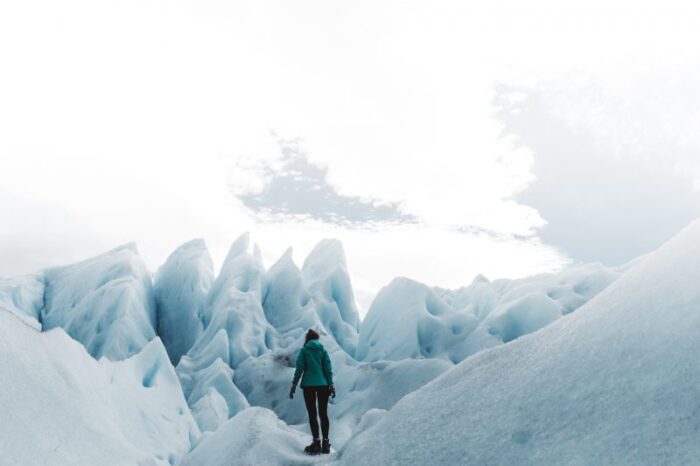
(299,368)
(327,368)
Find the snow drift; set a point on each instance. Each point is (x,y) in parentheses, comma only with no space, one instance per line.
(614,383)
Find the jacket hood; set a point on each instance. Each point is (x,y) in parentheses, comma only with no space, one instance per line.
(314,344)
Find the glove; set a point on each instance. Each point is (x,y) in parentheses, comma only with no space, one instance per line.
(291,392)
(331,391)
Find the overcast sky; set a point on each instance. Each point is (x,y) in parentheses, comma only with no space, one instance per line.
(436,139)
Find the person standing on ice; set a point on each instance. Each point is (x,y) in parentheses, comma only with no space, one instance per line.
(317,382)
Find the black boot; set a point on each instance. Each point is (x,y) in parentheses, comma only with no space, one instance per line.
(325,446)
(314,448)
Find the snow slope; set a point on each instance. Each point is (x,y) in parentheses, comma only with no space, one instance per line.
(614,383)
(58,406)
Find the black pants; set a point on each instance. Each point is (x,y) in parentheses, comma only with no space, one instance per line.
(311,394)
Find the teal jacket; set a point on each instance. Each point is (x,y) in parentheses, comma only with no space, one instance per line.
(313,361)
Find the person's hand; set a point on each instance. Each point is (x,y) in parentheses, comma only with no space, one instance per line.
(331,391)
(291,392)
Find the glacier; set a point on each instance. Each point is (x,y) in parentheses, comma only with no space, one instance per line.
(193,367)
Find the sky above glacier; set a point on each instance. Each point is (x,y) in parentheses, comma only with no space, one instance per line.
(436,139)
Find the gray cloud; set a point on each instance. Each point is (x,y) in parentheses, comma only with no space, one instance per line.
(297,188)
(599,205)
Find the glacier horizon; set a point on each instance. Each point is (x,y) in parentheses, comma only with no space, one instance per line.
(230,338)
(16,290)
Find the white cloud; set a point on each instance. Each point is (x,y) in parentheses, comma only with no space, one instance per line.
(131,115)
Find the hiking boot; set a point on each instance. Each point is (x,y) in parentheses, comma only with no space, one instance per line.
(326,446)
(314,448)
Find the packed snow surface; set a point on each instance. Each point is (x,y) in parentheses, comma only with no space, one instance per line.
(614,383)
(254,437)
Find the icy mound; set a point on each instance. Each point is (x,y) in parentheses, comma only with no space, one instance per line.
(24,297)
(181,286)
(408,320)
(265,382)
(234,304)
(106,303)
(479,298)
(206,379)
(288,304)
(614,383)
(235,329)
(254,437)
(570,288)
(523,315)
(526,305)
(211,410)
(327,279)
(381,384)
(60,406)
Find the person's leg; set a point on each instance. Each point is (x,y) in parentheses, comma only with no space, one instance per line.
(322,393)
(310,401)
